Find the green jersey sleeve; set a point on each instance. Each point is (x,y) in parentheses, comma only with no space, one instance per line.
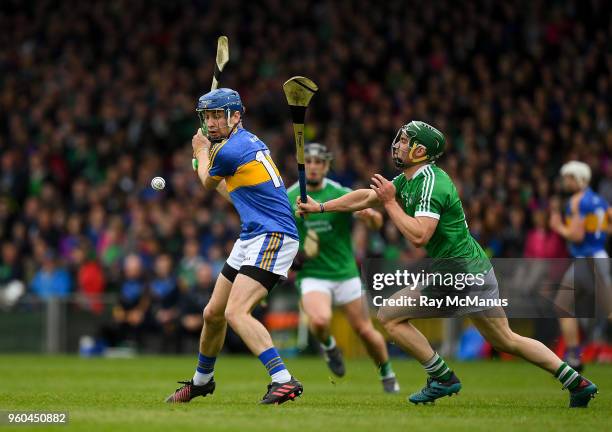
(433,196)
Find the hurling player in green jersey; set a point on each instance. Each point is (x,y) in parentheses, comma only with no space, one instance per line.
(328,275)
(424,204)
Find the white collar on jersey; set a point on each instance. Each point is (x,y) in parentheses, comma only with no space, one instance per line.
(419,171)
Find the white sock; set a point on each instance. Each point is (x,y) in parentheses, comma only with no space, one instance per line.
(332,344)
(202,378)
(281,377)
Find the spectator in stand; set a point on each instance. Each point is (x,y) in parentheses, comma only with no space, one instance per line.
(541,241)
(11,267)
(165,302)
(11,276)
(69,241)
(131,315)
(194,300)
(188,265)
(52,280)
(89,277)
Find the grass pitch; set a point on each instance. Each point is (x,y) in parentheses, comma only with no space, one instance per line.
(119,394)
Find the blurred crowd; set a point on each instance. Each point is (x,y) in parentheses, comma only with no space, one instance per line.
(97,98)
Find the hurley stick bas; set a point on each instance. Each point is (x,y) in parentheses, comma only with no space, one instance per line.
(298,91)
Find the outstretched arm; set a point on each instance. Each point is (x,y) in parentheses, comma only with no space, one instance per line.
(356,200)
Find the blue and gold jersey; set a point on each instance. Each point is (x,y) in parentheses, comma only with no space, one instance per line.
(592,209)
(254,184)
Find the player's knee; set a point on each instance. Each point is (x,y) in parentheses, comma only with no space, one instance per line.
(363,328)
(230,315)
(213,316)
(383,317)
(394,326)
(390,326)
(320,322)
(233,314)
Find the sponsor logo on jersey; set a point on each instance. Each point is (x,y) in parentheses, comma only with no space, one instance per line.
(319,226)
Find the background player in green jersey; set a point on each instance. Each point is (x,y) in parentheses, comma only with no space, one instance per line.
(425,206)
(328,274)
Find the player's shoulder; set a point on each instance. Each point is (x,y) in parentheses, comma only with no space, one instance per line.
(432,175)
(591,201)
(246,138)
(597,199)
(432,180)
(238,146)
(440,174)
(440,179)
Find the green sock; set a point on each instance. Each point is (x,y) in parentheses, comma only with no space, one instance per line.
(567,376)
(385,370)
(437,368)
(329,343)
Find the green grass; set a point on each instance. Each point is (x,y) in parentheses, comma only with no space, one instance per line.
(116,395)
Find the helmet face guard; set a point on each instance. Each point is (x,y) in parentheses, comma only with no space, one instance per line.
(413,144)
(204,126)
(320,152)
(222,99)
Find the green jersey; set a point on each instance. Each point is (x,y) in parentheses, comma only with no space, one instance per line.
(335,260)
(430,192)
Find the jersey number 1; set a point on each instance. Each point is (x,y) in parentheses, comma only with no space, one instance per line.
(261,157)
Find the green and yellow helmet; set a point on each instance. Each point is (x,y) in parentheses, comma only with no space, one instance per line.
(420,134)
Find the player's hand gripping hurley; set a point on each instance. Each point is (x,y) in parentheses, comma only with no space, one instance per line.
(221,61)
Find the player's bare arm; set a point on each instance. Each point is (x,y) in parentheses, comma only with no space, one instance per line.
(574,231)
(201,151)
(418,230)
(353,201)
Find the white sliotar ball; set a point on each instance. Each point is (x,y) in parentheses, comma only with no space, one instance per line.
(158,183)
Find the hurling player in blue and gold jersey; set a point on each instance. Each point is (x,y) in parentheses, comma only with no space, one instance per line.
(585,229)
(238,165)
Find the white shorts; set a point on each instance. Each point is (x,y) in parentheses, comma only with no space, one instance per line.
(273,252)
(341,292)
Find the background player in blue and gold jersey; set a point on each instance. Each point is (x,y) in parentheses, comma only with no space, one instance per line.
(585,229)
(238,165)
